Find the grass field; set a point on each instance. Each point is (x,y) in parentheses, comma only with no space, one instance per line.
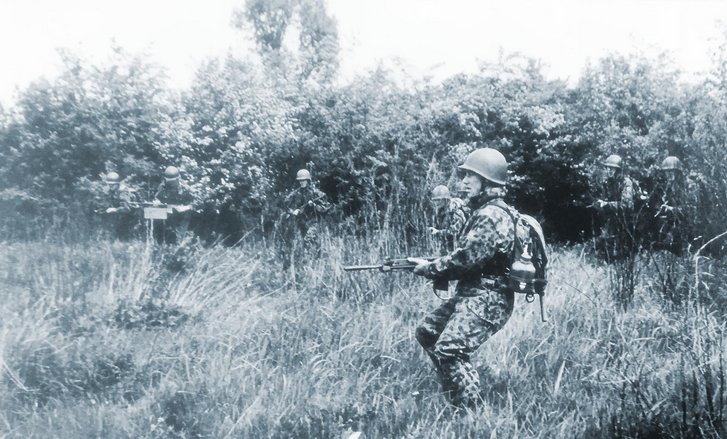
(109,339)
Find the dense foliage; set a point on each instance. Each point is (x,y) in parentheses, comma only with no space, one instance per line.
(247,123)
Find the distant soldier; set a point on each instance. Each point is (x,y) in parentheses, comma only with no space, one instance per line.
(121,204)
(484,300)
(178,201)
(305,206)
(676,208)
(617,209)
(449,217)
(171,192)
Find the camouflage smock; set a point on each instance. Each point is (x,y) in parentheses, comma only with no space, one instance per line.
(484,247)
(449,220)
(482,303)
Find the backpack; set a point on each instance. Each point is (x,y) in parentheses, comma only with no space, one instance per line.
(538,254)
(528,257)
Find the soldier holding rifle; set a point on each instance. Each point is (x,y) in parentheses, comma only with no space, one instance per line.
(178,202)
(484,298)
(617,210)
(301,221)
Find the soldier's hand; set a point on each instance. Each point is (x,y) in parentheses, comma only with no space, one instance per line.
(182,208)
(296,212)
(421,265)
(433,230)
(310,202)
(111,210)
(156,202)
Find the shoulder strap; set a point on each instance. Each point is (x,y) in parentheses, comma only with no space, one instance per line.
(501,204)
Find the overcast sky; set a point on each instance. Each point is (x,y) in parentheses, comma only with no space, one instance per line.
(429,37)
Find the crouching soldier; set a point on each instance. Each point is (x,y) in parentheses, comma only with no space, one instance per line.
(483,301)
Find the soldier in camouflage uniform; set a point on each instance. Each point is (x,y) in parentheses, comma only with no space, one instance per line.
(450,215)
(121,202)
(305,207)
(484,300)
(178,201)
(677,200)
(617,211)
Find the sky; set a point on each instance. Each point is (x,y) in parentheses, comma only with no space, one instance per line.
(418,38)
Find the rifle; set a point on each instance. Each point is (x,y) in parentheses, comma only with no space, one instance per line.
(288,214)
(398,264)
(102,210)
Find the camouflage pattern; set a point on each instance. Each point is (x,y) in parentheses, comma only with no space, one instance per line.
(483,301)
(300,233)
(449,220)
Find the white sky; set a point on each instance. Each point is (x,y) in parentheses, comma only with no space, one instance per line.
(429,37)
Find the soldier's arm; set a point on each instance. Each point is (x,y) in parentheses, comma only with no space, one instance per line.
(158,195)
(490,231)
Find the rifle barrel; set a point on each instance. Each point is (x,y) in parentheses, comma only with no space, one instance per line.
(361,267)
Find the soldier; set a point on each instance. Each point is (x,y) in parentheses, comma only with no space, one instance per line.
(178,201)
(304,209)
(677,200)
(450,215)
(121,202)
(483,301)
(617,210)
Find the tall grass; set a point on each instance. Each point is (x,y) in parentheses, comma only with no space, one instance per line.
(106,339)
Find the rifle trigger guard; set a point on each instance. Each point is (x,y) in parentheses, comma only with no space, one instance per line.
(529,297)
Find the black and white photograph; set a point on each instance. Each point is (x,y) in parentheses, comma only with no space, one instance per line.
(363,219)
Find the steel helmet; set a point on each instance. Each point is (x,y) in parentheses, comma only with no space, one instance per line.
(613,161)
(171,173)
(441,192)
(671,163)
(488,163)
(302,174)
(112,177)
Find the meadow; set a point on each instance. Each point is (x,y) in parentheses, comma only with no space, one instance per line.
(109,339)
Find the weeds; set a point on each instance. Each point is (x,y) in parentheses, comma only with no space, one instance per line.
(109,340)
